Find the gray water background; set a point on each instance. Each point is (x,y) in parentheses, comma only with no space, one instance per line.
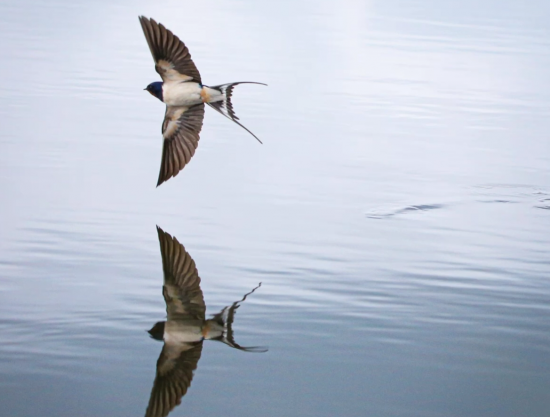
(397,215)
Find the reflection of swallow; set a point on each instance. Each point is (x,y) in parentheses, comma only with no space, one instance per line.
(185,327)
(184,94)
(220,326)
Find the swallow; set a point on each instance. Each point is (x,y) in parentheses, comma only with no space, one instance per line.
(182,91)
(185,327)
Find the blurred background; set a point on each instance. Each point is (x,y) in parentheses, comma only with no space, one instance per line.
(397,213)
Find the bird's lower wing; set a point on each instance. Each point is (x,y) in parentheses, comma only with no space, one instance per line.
(180,130)
(173,378)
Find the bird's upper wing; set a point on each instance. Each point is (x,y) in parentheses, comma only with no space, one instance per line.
(175,368)
(172,58)
(180,130)
(182,291)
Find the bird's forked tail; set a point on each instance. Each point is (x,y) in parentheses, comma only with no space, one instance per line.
(224,105)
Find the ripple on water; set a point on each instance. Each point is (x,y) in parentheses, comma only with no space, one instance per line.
(384,214)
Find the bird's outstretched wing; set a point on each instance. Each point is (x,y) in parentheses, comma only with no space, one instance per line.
(225,106)
(172,58)
(180,130)
(175,368)
(181,290)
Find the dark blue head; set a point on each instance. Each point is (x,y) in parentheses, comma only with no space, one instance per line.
(155,89)
(157,331)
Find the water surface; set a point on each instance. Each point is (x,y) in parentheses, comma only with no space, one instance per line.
(397,214)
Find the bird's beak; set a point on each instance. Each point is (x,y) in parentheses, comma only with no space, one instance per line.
(145,88)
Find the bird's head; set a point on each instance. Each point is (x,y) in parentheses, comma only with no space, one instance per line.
(155,89)
(157,331)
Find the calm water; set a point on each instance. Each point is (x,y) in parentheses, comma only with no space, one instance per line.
(397,215)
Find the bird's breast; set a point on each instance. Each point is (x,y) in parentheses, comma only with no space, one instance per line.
(181,93)
(182,332)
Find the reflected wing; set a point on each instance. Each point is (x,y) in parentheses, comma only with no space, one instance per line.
(181,290)
(225,320)
(180,130)
(172,58)
(175,368)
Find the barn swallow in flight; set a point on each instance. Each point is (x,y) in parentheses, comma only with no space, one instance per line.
(184,94)
(185,327)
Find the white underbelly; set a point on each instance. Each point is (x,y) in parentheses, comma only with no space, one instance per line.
(181,94)
(182,331)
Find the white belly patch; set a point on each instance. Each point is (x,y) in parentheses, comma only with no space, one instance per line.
(181,93)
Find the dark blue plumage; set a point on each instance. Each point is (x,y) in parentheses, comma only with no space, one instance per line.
(155,89)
